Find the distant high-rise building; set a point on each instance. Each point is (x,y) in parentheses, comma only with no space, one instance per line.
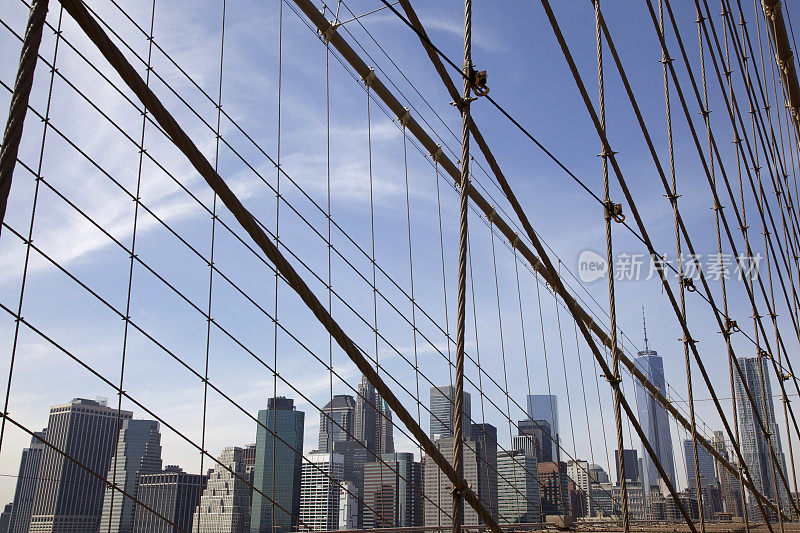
(225,503)
(68,498)
(753,443)
(631,462)
(707,475)
(392,492)
(354,457)
(249,458)
(653,417)
(336,422)
(5,518)
(320,491)
(598,474)
(480,471)
(578,473)
(349,506)
(542,433)
(517,488)
(545,407)
(730,488)
(442,404)
(138,452)
(173,494)
(277,467)
(20,520)
(637,500)
(373,420)
(553,488)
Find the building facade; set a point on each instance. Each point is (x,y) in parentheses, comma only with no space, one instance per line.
(225,503)
(336,422)
(72,499)
(138,453)
(517,488)
(320,491)
(480,471)
(393,492)
(553,488)
(373,420)
(545,407)
(630,461)
(754,445)
(707,475)
(653,419)
(277,467)
(442,404)
(173,494)
(20,520)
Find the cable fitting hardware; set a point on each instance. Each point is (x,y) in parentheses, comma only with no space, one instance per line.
(614,211)
(763,353)
(477,81)
(405,118)
(368,79)
(613,380)
(785,377)
(688,284)
(461,101)
(329,32)
(437,154)
(731,326)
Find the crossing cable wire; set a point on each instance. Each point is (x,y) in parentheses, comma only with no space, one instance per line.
(26,264)
(234,123)
(170,286)
(423,37)
(618,173)
(248,222)
(608,211)
(727,332)
(117,431)
(168,352)
(787,238)
(582,327)
(762,289)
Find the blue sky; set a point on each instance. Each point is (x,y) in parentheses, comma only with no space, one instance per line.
(527,74)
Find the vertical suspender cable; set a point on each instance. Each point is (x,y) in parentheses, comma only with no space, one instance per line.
(462,270)
(612,306)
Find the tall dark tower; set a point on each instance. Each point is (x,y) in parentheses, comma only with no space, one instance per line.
(373,420)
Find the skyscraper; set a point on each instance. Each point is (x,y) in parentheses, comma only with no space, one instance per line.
(225,504)
(730,488)
(278,467)
(480,471)
(442,402)
(541,444)
(753,443)
(71,499)
(138,452)
(631,462)
(517,488)
(545,407)
(336,421)
(20,520)
(373,420)
(320,491)
(653,417)
(578,473)
(553,488)
(392,492)
(173,494)
(707,476)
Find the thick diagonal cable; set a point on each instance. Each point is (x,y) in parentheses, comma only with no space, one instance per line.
(583,317)
(23,82)
(182,141)
(761,327)
(642,229)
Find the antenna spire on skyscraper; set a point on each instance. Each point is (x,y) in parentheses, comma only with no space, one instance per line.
(644,325)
